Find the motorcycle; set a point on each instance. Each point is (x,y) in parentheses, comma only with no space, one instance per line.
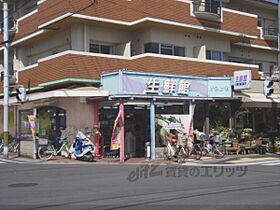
(83,148)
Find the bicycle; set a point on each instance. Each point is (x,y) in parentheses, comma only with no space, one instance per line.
(1,145)
(193,150)
(14,145)
(177,152)
(46,152)
(212,150)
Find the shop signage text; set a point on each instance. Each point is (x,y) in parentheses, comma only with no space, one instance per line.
(138,83)
(242,79)
(170,86)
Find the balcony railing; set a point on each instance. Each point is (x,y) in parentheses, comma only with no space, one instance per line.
(207,10)
(270,33)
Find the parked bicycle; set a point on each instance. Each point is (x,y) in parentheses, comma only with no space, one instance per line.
(46,152)
(13,145)
(210,147)
(193,149)
(1,145)
(177,152)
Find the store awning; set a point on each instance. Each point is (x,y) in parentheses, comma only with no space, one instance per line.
(258,100)
(88,92)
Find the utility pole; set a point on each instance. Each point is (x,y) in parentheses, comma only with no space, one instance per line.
(278,33)
(6,78)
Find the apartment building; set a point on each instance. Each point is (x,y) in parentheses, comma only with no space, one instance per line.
(60,48)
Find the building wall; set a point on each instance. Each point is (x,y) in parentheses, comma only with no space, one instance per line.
(83,65)
(30,54)
(115,37)
(78,115)
(257,56)
(185,39)
(260,10)
(253,54)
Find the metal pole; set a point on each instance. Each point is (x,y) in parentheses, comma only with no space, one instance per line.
(278,34)
(6,80)
(153,130)
(207,119)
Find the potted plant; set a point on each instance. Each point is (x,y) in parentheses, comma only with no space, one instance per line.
(277,146)
(235,143)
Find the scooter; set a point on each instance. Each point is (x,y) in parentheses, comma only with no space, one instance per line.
(83,148)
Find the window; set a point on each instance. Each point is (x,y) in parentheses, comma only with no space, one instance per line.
(99,48)
(165,49)
(179,51)
(216,55)
(261,22)
(151,48)
(261,66)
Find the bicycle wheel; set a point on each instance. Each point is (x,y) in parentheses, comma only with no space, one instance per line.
(197,152)
(45,152)
(166,154)
(187,152)
(182,155)
(217,153)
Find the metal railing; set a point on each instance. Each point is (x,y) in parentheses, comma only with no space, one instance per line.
(209,7)
(270,31)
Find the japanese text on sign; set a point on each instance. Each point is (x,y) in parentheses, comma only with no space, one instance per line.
(170,86)
(219,88)
(241,80)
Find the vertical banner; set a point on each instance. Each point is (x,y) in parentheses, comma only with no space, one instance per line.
(116,134)
(32,124)
(172,127)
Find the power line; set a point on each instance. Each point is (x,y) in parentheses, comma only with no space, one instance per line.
(94,2)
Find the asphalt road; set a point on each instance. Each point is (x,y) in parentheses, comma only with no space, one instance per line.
(96,186)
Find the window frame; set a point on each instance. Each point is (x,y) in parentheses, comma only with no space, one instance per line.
(100,45)
(164,46)
(222,55)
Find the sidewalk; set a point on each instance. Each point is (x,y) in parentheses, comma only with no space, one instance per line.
(229,159)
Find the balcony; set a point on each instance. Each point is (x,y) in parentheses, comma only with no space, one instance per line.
(270,33)
(74,64)
(210,10)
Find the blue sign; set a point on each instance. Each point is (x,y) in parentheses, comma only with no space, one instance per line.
(136,83)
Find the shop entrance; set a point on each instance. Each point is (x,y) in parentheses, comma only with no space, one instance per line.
(137,130)
(51,120)
(137,126)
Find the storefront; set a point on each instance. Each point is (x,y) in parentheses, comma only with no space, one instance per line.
(144,102)
(54,112)
(257,112)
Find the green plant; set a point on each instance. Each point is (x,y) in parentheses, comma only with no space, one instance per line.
(219,127)
(277,144)
(247,130)
(272,148)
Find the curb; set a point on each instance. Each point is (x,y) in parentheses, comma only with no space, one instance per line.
(250,160)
